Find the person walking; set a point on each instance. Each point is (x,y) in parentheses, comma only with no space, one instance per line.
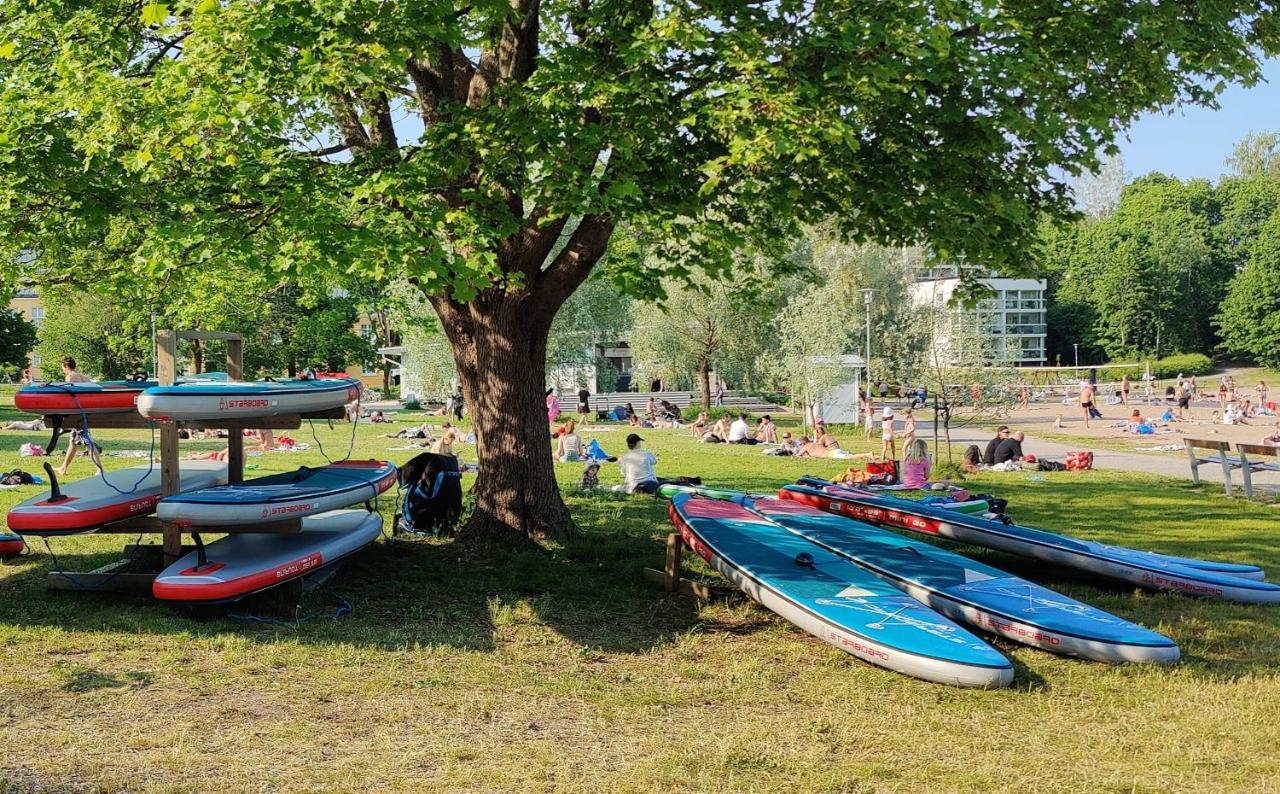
(1124,389)
(1086,401)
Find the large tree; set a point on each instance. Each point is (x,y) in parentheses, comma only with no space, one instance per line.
(1250,314)
(17,337)
(457,143)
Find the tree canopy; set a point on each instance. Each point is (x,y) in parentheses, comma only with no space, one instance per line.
(487,151)
(17,338)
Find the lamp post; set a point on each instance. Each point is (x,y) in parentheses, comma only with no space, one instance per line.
(867,295)
(1076,345)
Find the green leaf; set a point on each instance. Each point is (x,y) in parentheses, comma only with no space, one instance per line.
(154,13)
(8,49)
(207,7)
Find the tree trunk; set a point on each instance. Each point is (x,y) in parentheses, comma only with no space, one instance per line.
(704,380)
(386,380)
(500,350)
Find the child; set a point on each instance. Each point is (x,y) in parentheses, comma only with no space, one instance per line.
(590,477)
(916,465)
(888,447)
(1057,423)
(908,429)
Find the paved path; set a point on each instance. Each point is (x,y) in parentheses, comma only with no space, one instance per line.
(1169,465)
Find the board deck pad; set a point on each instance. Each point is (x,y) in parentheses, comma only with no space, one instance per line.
(277,497)
(241,565)
(93,501)
(833,599)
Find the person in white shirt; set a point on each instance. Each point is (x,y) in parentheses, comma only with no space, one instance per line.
(638,474)
(637,466)
(740,431)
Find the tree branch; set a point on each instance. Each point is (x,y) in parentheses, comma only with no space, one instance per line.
(513,54)
(383,132)
(572,265)
(348,120)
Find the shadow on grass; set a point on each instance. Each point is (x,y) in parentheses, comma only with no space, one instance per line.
(412,593)
(424,593)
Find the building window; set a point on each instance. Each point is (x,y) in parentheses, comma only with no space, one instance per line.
(37,315)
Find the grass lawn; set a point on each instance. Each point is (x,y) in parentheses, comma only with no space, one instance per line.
(563,670)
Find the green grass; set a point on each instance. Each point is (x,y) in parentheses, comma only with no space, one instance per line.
(562,670)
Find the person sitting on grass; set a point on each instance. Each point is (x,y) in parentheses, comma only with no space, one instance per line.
(740,432)
(1010,448)
(766,430)
(989,454)
(719,432)
(699,427)
(569,447)
(637,466)
(1273,438)
(916,464)
(971,463)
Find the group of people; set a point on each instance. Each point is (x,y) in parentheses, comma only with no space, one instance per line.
(1004,447)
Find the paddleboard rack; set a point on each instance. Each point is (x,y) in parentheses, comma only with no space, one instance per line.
(670,578)
(142,562)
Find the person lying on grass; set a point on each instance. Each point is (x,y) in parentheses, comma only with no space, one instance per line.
(34,424)
(823,445)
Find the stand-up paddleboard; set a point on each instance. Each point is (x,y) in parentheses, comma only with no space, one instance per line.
(294,494)
(11,545)
(240,565)
(67,399)
(833,599)
(1240,570)
(1114,562)
(86,505)
(971,592)
(231,400)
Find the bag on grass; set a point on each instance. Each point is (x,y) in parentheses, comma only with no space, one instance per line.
(16,477)
(1079,461)
(432,494)
(885,473)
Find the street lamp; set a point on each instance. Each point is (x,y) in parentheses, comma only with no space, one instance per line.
(1076,345)
(867,295)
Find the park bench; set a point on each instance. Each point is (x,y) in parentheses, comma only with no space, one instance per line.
(1264,458)
(1221,456)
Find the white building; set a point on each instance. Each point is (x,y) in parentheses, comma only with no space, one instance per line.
(1012,319)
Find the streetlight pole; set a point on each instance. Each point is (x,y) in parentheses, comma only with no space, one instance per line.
(867,295)
(1076,345)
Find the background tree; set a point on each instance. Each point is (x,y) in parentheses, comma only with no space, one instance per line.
(1098,193)
(1250,314)
(1257,155)
(704,326)
(198,134)
(108,343)
(598,313)
(17,338)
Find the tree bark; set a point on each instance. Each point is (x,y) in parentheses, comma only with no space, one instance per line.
(704,379)
(500,347)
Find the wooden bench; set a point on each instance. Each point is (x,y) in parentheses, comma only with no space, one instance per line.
(1264,458)
(1221,455)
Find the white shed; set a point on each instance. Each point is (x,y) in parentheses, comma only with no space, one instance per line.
(838,404)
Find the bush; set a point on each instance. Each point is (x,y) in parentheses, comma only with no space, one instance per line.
(1168,367)
(691,413)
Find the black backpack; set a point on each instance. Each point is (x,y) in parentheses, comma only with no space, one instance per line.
(16,477)
(432,488)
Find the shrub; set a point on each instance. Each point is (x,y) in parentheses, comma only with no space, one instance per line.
(1168,367)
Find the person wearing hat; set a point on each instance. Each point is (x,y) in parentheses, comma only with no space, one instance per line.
(888,447)
(638,475)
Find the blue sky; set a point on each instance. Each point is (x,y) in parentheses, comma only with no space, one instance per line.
(1193,142)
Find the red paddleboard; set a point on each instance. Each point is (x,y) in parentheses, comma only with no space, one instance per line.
(10,544)
(108,397)
(88,504)
(240,565)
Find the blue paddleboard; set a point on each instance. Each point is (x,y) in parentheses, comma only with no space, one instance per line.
(974,593)
(1132,566)
(833,599)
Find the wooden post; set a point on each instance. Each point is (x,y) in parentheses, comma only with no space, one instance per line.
(235,433)
(170,473)
(672,567)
